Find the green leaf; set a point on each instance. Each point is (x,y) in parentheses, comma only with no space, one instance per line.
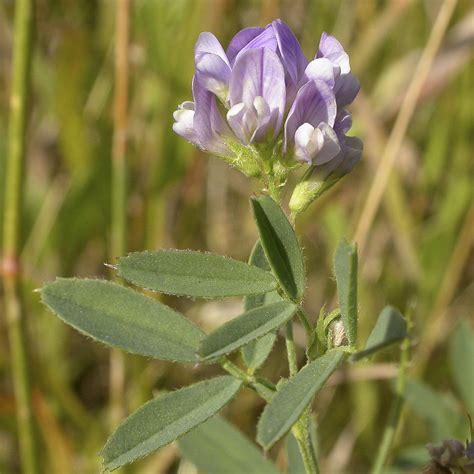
(194,274)
(461,358)
(258,259)
(439,411)
(245,328)
(218,447)
(345,269)
(295,461)
(293,397)
(167,418)
(281,246)
(121,317)
(256,352)
(390,328)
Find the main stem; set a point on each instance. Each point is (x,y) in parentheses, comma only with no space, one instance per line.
(17,333)
(119,188)
(301,429)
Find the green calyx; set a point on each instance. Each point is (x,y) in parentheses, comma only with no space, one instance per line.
(261,161)
(246,159)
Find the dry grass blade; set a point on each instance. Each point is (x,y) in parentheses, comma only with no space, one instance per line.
(119,187)
(439,322)
(394,201)
(407,109)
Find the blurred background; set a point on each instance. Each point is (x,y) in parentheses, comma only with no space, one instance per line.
(418,253)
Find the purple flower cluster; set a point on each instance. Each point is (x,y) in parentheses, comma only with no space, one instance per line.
(263,90)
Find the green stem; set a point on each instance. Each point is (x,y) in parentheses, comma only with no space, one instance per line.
(304,318)
(301,434)
(396,409)
(15,317)
(273,190)
(236,371)
(300,429)
(291,349)
(261,386)
(119,188)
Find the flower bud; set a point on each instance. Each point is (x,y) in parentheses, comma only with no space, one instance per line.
(319,179)
(337,334)
(304,194)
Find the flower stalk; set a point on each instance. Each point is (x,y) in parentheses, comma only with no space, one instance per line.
(11,268)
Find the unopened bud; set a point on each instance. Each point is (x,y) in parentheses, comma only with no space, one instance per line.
(337,334)
(304,194)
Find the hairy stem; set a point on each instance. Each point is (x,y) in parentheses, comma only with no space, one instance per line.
(12,232)
(301,429)
(304,318)
(302,436)
(261,386)
(119,188)
(396,409)
(291,349)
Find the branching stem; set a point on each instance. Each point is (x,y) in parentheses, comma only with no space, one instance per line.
(260,385)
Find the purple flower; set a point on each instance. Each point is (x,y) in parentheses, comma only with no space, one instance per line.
(263,91)
(257,96)
(346,86)
(212,66)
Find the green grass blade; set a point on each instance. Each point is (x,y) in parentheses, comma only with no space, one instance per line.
(461,359)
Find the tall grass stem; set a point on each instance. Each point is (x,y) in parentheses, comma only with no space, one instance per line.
(11,268)
(119,186)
